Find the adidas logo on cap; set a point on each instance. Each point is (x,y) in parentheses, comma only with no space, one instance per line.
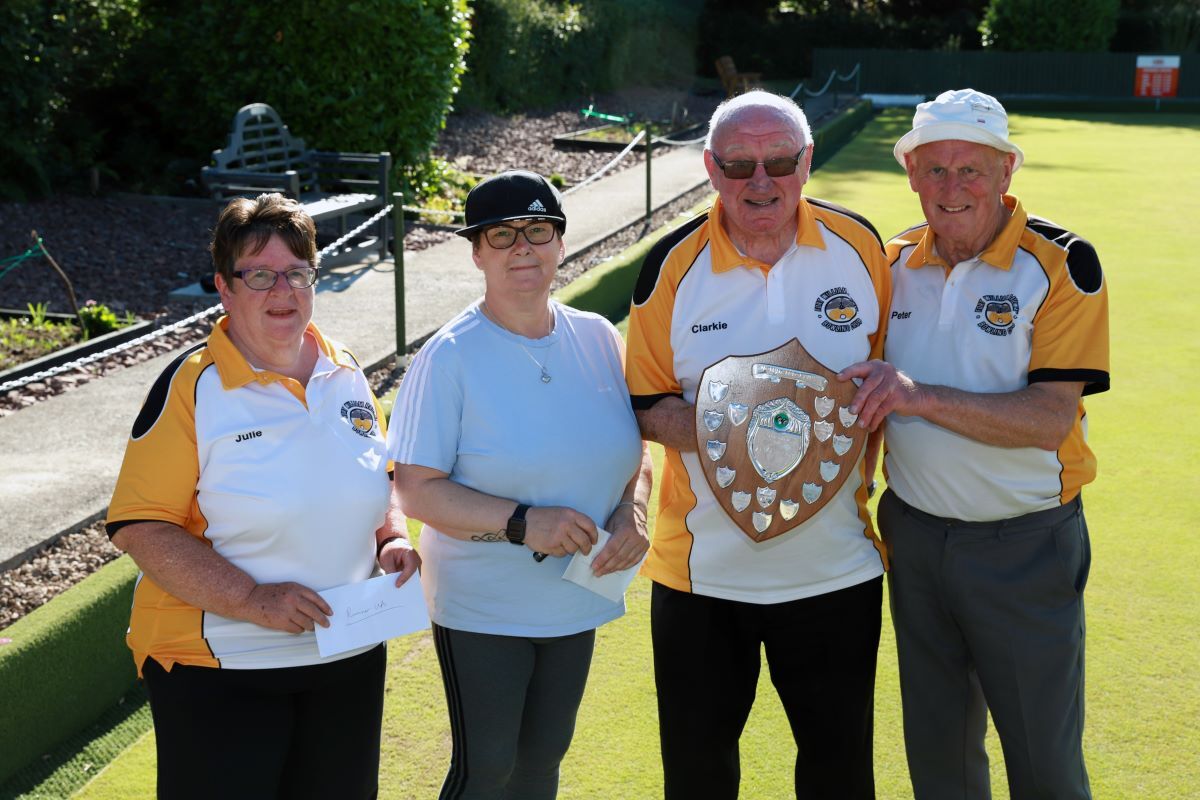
(536,205)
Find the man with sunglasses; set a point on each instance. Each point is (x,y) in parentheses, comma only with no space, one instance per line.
(1000,327)
(764,265)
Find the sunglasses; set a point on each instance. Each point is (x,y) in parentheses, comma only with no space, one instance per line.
(503,237)
(263,279)
(774,167)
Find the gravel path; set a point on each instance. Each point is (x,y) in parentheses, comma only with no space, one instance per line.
(130,252)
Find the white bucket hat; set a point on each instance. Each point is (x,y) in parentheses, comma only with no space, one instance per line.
(962,114)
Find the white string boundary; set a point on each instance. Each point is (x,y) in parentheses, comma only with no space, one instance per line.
(833,74)
(677,143)
(641,135)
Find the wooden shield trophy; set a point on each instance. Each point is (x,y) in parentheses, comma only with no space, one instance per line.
(775,437)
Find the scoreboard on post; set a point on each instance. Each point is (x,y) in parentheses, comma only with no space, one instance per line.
(1156,76)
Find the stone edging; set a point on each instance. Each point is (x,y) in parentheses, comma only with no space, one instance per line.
(102,342)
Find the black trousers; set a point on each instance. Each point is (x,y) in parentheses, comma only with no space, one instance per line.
(821,652)
(293,732)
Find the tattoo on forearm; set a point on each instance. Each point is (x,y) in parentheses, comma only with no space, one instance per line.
(495,536)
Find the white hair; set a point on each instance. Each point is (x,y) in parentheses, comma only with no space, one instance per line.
(758,98)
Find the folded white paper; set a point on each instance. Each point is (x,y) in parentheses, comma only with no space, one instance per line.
(371,611)
(612,585)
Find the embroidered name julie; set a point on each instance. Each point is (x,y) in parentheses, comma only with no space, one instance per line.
(247,436)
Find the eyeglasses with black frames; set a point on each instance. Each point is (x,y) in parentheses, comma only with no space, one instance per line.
(263,279)
(774,167)
(503,237)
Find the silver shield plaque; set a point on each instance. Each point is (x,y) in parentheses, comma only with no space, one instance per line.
(777,438)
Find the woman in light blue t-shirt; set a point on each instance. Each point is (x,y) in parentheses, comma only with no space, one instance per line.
(514,442)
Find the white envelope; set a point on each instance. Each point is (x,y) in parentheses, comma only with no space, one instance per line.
(371,611)
(612,585)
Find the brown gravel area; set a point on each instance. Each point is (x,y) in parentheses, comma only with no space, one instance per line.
(129,252)
(52,570)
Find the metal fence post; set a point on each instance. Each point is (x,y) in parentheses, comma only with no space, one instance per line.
(649,149)
(398,274)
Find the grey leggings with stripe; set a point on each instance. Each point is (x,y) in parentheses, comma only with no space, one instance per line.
(512,703)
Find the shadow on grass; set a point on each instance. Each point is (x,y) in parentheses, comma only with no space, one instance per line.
(76,761)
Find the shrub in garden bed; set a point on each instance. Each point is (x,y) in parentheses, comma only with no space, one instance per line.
(25,338)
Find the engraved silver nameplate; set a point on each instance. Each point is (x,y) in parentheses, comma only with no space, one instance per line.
(738,413)
(725,476)
(775,374)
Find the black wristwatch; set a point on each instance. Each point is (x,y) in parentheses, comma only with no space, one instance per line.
(515,530)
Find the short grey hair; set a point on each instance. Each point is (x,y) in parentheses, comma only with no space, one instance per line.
(758,99)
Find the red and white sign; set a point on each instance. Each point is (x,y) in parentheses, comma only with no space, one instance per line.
(1157,76)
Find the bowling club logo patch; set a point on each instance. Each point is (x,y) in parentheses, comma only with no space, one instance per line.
(361,417)
(837,310)
(997,313)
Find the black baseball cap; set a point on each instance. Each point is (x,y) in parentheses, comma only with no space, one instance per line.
(515,194)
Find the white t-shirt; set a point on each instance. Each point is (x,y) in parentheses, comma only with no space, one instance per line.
(473,405)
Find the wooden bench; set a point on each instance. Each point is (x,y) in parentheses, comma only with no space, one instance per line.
(263,156)
(735,82)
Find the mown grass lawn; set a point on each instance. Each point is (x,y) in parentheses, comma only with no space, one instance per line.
(1129,184)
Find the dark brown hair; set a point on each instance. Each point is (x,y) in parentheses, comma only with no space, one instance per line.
(245,226)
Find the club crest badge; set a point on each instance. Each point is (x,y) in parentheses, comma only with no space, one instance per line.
(361,416)
(776,428)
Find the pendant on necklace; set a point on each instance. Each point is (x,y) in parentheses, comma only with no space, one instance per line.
(545,376)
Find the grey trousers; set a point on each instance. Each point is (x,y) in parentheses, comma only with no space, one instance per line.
(512,703)
(989,616)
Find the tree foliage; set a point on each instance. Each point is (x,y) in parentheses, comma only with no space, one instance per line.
(777,37)
(53,55)
(1158,26)
(1049,25)
(534,53)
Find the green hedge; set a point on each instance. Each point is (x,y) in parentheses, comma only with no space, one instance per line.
(530,54)
(828,139)
(366,76)
(66,665)
(144,90)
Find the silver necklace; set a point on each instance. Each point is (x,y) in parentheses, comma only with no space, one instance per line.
(541,365)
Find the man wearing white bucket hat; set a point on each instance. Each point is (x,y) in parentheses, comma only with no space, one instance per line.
(998,328)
